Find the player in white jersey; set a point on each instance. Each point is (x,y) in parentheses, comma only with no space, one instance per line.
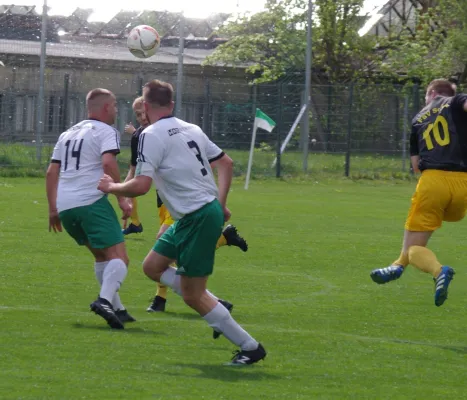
(82,154)
(178,157)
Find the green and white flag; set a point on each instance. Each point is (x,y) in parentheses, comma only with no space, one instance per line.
(263,121)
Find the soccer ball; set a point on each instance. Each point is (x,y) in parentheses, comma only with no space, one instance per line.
(143,41)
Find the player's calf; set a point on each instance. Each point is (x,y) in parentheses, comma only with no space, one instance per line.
(229,307)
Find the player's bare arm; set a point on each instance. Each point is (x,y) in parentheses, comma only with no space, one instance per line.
(131,173)
(415,162)
(110,166)
(52,177)
(224,166)
(132,188)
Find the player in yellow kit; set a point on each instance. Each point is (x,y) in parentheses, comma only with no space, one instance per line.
(438,149)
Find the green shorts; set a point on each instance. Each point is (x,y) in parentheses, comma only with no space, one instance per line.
(96,224)
(192,240)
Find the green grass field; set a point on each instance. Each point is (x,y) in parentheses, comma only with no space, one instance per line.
(302,289)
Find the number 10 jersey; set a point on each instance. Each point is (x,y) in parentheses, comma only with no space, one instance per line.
(439,135)
(79,152)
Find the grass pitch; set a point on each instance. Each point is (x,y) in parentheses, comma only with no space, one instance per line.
(302,289)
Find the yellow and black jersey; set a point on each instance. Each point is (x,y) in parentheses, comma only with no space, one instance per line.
(439,135)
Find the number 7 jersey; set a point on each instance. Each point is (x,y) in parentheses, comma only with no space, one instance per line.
(177,156)
(439,134)
(79,152)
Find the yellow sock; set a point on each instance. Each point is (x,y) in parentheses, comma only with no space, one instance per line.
(425,260)
(134,213)
(402,260)
(221,242)
(161,291)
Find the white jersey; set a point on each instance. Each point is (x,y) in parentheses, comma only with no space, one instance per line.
(176,155)
(79,151)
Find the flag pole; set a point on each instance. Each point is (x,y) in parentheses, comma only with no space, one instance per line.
(252,149)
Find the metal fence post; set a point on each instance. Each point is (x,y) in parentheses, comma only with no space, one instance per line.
(64,121)
(405,131)
(40,102)
(181,49)
(349,133)
(206,106)
(278,129)
(329,118)
(140,85)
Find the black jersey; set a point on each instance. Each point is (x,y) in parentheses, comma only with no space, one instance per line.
(134,146)
(439,134)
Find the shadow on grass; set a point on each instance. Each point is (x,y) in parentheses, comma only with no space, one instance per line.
(457,349)
(136,239)
(177,315)
(128,329)
(227,373)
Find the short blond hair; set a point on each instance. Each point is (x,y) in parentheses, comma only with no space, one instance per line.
(138,102)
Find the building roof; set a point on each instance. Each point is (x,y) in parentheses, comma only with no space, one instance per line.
(396,16)
(74,37)
(77,24)
(101,50)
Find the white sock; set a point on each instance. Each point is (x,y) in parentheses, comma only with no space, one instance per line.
(172,280)
(114,274)
(117,303)
(99,270)
(220,319)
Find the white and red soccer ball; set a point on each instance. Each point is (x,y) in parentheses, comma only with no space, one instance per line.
(143,41)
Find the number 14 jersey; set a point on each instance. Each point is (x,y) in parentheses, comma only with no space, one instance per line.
(79,152)
(439,134)
(176,155)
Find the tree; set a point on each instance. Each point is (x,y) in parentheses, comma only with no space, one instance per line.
(437,48)
(273,42)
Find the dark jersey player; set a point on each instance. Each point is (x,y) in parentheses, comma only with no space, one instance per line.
(138,108)
(438,149)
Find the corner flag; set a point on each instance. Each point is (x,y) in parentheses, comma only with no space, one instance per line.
(264,122)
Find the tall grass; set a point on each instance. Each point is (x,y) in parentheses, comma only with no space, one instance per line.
(20,160)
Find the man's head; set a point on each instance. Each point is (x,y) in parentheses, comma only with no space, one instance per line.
(158,100)
(102,105)
(439,87)
(138,109)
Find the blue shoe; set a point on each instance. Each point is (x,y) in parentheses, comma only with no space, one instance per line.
(388,274)
(133,229)
(441,285)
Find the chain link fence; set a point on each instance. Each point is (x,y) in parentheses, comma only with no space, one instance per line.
(355,130)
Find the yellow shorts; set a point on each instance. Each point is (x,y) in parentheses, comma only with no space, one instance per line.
(439,196)
(164,216)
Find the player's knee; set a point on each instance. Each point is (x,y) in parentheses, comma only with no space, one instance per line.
(126,260)
(150,271)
